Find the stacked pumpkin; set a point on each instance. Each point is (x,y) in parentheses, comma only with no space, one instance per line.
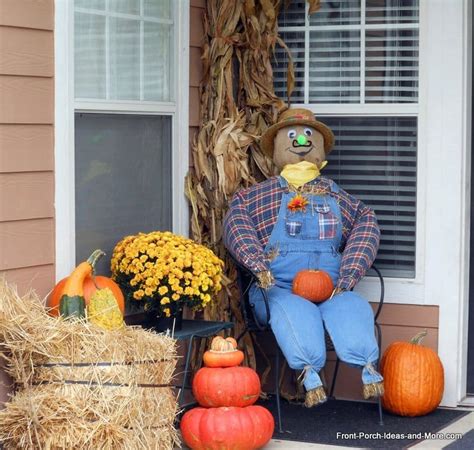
(226,392)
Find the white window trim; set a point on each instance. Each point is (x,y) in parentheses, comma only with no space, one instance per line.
(66,106)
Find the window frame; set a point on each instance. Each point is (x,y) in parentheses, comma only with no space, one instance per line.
(398,290)
(66,106)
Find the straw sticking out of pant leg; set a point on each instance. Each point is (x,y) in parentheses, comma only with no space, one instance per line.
(315,396)
(373,390)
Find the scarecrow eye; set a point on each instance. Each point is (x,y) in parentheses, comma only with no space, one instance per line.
(308,131)
(292,134)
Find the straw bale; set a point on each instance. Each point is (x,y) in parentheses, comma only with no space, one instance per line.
(83,386)
(55,416)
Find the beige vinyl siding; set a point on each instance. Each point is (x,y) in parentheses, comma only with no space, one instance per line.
(27,143)
(27,146)
(196,36)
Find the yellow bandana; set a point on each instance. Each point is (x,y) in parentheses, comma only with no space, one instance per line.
(301,173)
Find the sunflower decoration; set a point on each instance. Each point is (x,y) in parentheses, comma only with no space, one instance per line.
(298,203)
(164,272)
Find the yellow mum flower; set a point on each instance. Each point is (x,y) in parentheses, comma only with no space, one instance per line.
(162,290)
(165,300)
(189,291)
(138,295)
(151,258)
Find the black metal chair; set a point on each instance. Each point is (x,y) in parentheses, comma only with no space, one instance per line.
(245,280)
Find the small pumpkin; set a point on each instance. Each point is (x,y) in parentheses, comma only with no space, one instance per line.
(90,286)
(227,428)
(313,285)
(229,386)
(72,302)
(413,378)
(223,353)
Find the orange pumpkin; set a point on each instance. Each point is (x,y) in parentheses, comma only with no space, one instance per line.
(226,386)
(413,378)
(89,288)
(227,428)
(223,353)
(314,285)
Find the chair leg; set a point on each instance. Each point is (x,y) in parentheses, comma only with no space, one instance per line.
(186,369)
(277,388)
(379,336)
(379,400)
(239,337)
(380,412)
(333,384)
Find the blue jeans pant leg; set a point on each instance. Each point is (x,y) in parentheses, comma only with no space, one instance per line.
(298,329)
(349,320)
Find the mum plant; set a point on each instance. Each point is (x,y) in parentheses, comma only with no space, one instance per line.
(164,272)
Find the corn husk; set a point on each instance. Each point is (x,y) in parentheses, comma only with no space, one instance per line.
(238,103)
(82,386)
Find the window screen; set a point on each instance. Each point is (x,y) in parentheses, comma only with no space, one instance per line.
(122,179)
(375,159)
(357,52)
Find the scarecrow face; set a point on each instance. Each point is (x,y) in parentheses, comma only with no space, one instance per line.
(298,143)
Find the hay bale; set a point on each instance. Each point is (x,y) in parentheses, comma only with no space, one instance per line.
(82,386)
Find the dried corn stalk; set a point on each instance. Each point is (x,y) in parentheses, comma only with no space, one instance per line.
(238,103)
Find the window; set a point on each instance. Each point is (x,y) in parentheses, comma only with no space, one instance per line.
(124,50)
(356,67)
(125,114)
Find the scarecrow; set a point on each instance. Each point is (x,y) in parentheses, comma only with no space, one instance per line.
(297,221)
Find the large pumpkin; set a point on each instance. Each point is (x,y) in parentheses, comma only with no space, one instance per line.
(413,378)
(89,288)
(230,386)
(314,285)
(227,428)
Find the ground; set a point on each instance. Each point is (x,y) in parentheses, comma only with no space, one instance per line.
(462,425)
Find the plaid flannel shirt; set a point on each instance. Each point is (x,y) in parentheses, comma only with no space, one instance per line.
(253,213)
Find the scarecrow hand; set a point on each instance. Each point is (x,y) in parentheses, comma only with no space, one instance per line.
(337,291)
(265,279)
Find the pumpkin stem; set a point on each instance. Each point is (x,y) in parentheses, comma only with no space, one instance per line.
(92,260)
(419,337)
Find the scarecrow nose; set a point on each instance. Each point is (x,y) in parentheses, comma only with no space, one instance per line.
(301,139)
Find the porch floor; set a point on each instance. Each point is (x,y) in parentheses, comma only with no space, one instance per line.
(463,425)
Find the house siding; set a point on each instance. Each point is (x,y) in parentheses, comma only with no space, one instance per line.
(26,146)
(196,37)
(27,143)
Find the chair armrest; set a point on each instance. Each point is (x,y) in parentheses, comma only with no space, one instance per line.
(267,308)
(253,280)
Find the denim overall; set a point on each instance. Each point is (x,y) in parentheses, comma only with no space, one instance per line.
(310,239)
